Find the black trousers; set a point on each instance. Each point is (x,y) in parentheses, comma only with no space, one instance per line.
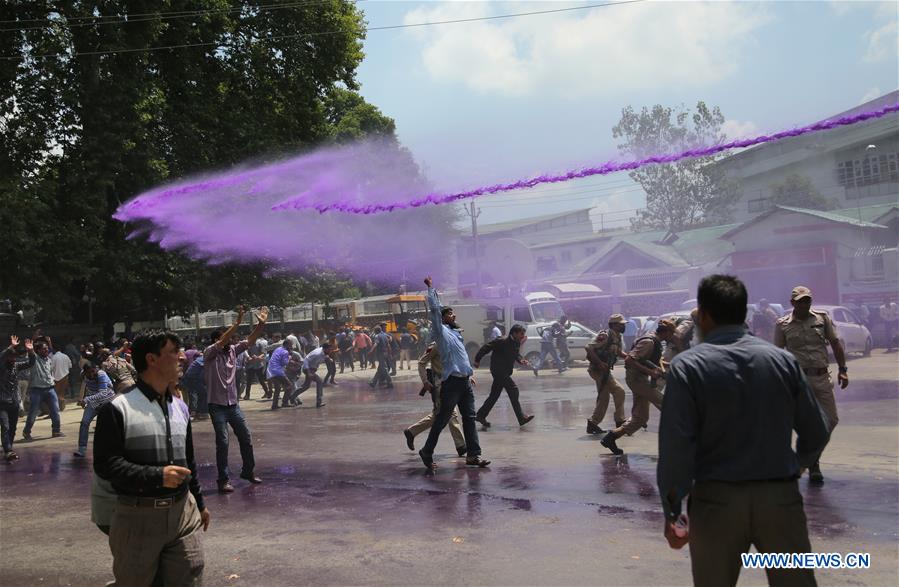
(256,375)
(9,419)
(501,382)
(332,369)
(346,360)
(383,373)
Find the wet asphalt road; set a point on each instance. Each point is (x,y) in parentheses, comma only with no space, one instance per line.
(344,502)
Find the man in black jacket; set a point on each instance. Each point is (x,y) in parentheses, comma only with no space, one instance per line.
(506,352)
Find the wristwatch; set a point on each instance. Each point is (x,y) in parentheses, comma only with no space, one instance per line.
(844,370)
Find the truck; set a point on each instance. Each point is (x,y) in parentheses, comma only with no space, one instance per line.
(477,316)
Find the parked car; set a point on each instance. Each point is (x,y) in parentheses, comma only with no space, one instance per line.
(854,335)
(579,338)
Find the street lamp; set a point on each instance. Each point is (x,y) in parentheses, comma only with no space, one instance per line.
(89,299)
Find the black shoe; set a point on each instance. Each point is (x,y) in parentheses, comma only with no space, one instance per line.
(371,384)
(428,460)
(226,487)
(252,478)
(276,407)
(27,436)
(462,450)
(476,461)
(321,405)
(608,441)
(78,454)
(814,475)
(593,428)
(410,440)
(536,373)
(482,421)
(526,419)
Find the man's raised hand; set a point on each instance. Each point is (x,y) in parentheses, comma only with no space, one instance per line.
(428,281)
(13,340)
(262,315)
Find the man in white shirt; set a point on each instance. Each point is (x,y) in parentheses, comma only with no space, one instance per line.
(60,366)
(310,366)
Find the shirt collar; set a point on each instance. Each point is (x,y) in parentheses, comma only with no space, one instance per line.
(150,393)
(726,334)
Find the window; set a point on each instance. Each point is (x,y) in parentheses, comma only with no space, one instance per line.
(521,314)
(838,315)
(864,170)
(566,256)
(759,204)
(877,264)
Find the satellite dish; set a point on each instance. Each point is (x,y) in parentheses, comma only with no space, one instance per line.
(509,261)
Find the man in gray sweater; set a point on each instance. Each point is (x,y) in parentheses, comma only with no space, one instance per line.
(41,389)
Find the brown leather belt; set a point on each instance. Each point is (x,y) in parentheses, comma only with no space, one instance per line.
(816,371)
(152,502)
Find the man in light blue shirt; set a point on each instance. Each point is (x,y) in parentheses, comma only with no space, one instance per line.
(456,387)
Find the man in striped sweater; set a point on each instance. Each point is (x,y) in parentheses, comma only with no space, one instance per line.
(143,447)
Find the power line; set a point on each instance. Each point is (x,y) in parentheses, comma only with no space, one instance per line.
(321,33)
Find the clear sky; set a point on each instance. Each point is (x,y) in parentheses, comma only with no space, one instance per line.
(499,99)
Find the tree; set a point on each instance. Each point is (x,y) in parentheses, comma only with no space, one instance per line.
(91,115)
(679,195)
(799,191)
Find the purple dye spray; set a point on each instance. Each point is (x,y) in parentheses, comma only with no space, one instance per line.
(268,213)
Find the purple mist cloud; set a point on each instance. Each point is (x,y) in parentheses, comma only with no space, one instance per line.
(274,212)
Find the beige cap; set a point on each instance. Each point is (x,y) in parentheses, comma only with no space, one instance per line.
(617,319)
(799,292)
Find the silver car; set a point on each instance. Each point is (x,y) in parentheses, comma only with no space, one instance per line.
(578,338)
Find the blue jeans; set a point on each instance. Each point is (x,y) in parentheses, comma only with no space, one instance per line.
(86,418)
(548,348)
(196,391)
(455,391)
(38,395)
(222,417)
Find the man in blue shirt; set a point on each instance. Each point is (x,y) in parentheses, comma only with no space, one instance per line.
(456,387)
(730,408)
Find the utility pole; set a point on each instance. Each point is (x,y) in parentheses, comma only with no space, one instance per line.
(474,235)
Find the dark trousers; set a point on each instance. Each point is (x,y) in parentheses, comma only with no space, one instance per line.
(38,395)
(280,384)
(332,370)
(455,391)
(196,392)
(363,358)
(726,518)
(222,417)
(256,375)
(383,373)
(9,419)
(346,360)
(307,383)
(501,382)
(240,377)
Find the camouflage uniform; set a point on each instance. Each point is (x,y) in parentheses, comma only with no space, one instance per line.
(607,346)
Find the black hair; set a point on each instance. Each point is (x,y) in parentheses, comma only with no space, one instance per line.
(150,343)
(724,298)
(326,345)
(446,310)
(516,328)
(215,335)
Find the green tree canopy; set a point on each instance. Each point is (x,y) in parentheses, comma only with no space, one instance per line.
(799,191)
(678,195)
(94,110)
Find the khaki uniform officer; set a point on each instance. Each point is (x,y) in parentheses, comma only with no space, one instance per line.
(806,333)
(602,353)
(642,372)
